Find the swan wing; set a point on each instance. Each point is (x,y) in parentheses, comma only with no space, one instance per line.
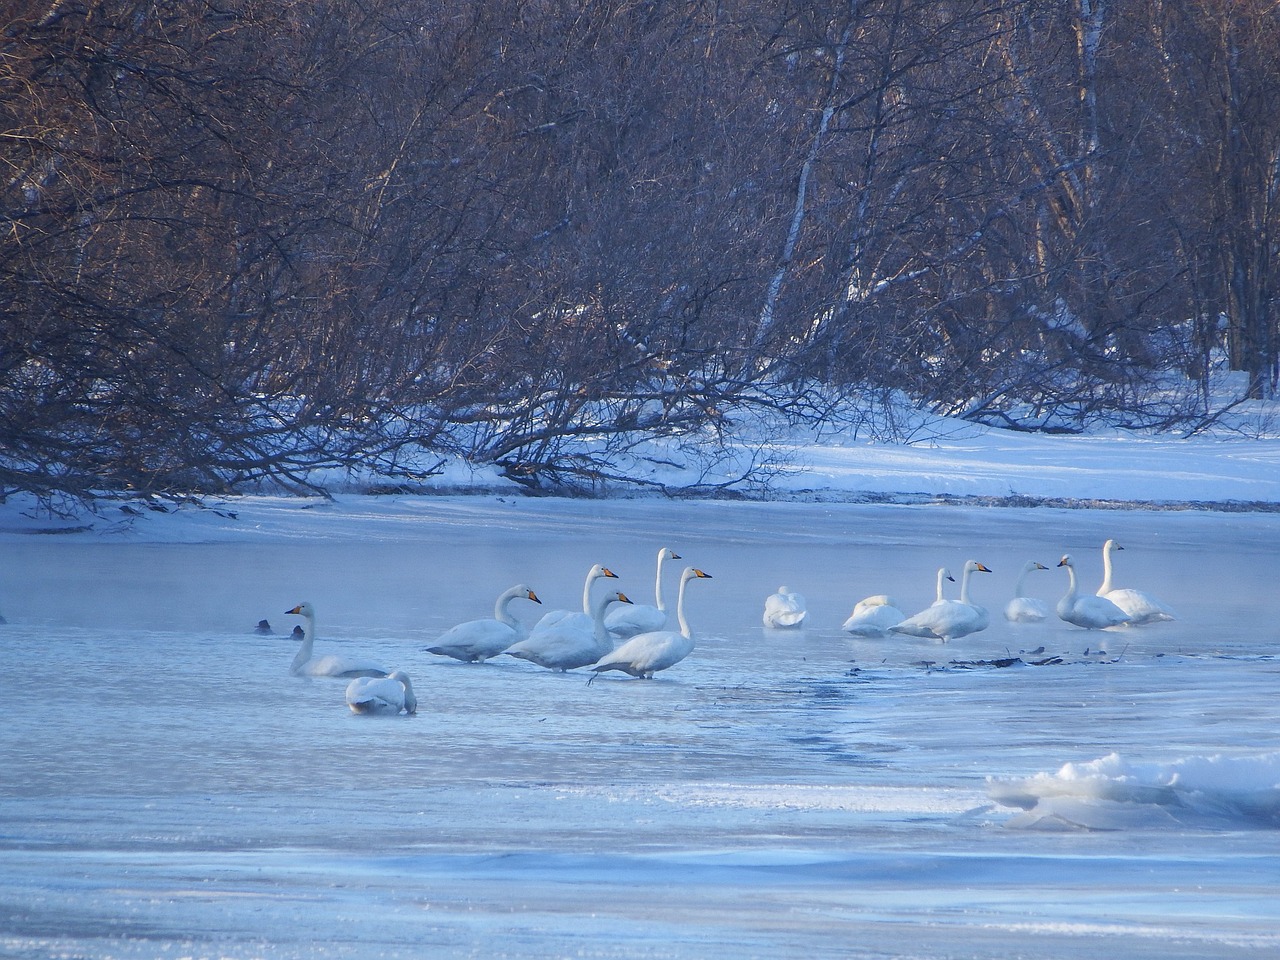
(1140,607)
(475,640)
(1026,610)
(628,620)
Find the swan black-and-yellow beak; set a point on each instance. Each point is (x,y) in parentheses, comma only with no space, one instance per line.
(606,572)
(533,596)
(704,576)
(1065,561)
(982,568)
(297,609)
(623,598)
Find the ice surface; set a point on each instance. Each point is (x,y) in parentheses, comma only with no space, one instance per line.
(1031,790)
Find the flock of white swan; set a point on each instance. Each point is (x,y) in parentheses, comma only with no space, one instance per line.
(613,633)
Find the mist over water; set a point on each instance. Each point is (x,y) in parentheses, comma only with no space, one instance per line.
(1038,789)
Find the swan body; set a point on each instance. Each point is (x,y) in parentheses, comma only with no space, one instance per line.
(382,695)
(1090,612)
(873,616)
(583,617)
(1024,609)
(478,640)
(1140,607)
(948,619)
(565,645)
(330,665)
(784,609)
(912,627)
(645,654)
(626,620)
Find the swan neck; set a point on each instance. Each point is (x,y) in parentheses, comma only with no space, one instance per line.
(964,584)
(1018,590)
(586,592)
(941,578)
(684,624)
(1071,583)
(1106,573)
(600,631)
(308,641)
(501,609)
(657,583)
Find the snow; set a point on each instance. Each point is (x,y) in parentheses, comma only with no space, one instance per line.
(1031,790)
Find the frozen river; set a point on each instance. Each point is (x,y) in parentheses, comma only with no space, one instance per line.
(168,790)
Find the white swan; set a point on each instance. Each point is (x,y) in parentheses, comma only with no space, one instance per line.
(1090,612)
(1138,606)
(478,640)
(382,695)
(646,653)
(948,619)
(552,617)
(628,620)
(330,665)
(784,609)
(566,645)
(1024,609)
(873,616)
(909,626)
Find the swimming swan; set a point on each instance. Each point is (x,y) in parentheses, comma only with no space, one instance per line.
(873,616)
(478,640)
(583,617)
(382,695)
(1090,612)
(948,619)
(784,609)
(626,620)
(1024,609)
(1139,607)
(566,644)
(330,665)
(645,654)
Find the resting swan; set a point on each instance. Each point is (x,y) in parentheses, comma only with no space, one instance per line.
(1139,607)
(382,695)
(330,665)
(566,644)
(1090,612)
(478,640)
(583,617)
(645,654)
(949,619)
(628,620)
(1024,609)
(909,626)
(784,609)
(873,616)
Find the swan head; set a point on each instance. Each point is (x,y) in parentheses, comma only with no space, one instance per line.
(666,553)
(1033,565)
(616,597)
(976,567)
(1066,561)
(527,593)
(693,573)
(945,574)
(303,609)
(599,570)
(1111,546)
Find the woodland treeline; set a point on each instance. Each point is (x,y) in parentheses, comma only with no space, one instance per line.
(246,239)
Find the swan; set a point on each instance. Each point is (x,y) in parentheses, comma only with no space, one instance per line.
(478,640)
(383,695)
(1090,612)
(873,616)
(947,619)
(784,609)
(908,626)
(566,645)
(1024,609)
(305,665)
(626,621)
(1139,607)
(583,617)
(646,653)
